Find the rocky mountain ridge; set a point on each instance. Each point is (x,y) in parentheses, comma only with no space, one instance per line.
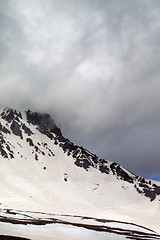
(14,124)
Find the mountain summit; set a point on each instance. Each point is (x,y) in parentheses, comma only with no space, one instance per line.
(41,170)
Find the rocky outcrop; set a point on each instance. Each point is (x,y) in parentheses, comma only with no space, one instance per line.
(16,130)
(44,122)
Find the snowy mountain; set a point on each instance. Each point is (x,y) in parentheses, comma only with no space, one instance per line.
(45,177)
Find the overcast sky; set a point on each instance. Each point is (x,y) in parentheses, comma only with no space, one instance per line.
(94,65)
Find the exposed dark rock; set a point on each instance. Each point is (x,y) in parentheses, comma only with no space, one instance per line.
(6,131)
(75,153)
(65,177)
(10,114)
(104,169)
(138,190)
(45,123)
(31,117)
(117,170)
(82,163)
(11,155)
(148,191)
(18,114)
(60,138)
(48,134)
(142,180)
(51,153)
(36,157)
(7,237)
(102,165)
(113,167)
(37,149)
(67,146)
(83,158)
(15,127)
(29,140)
(19,144)
(143,185)
(95,159)
(123,175)
(2,141)
(55,142)
(8,148)
(27,130)
(157,189)
(3,152)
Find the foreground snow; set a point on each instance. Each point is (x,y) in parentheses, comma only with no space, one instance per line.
(35,226)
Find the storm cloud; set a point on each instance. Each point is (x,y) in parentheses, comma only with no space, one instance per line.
(94,66)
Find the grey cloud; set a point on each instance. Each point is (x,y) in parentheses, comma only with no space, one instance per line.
(94,66)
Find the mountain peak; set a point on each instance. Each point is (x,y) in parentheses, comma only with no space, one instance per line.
(44,121)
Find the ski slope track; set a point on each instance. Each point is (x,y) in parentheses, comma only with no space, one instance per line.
(51,188)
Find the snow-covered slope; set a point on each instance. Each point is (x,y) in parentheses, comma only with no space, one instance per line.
(43,171)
